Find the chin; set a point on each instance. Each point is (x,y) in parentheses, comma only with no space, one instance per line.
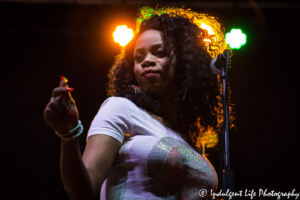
(155,92)
(149,90)
(156,89)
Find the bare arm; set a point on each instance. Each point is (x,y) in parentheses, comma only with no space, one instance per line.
(82,176)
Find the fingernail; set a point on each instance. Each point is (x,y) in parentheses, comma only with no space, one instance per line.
(64,79)
(69,89)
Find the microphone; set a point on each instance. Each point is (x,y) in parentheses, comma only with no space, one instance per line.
(218,62)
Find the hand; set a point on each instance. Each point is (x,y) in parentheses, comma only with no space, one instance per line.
(61,113)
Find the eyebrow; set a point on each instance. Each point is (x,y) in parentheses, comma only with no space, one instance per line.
(153,46)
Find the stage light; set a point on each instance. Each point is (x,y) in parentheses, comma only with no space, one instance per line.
(235,38)
(122,35)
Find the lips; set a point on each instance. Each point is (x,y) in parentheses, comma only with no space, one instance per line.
(150,71)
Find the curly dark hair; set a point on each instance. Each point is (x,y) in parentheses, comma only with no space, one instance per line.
(193,78)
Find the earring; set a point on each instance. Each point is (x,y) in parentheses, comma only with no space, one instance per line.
(184,94)
(136,88)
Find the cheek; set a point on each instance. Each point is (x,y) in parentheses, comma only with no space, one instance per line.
(136,72)
(169,71)
(171,74)
(173,62)
(168,68)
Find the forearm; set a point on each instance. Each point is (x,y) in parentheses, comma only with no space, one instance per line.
(75,177)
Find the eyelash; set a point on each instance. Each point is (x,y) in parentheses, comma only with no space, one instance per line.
(139,57)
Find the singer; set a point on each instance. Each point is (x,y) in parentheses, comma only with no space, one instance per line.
(144,141)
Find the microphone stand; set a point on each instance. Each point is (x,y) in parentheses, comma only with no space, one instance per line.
(227,175)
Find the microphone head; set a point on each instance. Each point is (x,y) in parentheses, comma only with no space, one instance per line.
(213,66)
(226,53)
(220,61)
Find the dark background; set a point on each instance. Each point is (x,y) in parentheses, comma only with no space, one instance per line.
(41,42)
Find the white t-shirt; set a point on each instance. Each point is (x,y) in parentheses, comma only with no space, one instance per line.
(154,161)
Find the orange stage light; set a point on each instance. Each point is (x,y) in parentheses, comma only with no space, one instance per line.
(123,35)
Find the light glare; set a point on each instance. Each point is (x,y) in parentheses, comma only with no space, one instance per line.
(208,28)
(209,139)
(207,40)
(235,38)
(123,35)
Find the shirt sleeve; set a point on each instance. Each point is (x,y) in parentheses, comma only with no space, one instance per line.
(112,119)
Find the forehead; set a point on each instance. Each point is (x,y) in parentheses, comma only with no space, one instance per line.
(149,38)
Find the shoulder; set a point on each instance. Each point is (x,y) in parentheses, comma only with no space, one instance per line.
(118,101)
(120,104)
(114,118)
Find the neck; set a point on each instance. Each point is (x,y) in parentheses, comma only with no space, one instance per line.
(167,113)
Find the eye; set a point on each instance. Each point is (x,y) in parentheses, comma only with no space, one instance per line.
(160,53)
(139,58)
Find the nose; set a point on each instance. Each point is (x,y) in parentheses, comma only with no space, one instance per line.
(149,61)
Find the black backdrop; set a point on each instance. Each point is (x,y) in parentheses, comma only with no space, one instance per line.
(41,42)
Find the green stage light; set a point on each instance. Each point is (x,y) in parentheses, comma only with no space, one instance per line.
(235,38)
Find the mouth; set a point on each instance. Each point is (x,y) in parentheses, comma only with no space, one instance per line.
(150,72)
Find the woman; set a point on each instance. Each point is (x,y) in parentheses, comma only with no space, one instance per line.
(143,142)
